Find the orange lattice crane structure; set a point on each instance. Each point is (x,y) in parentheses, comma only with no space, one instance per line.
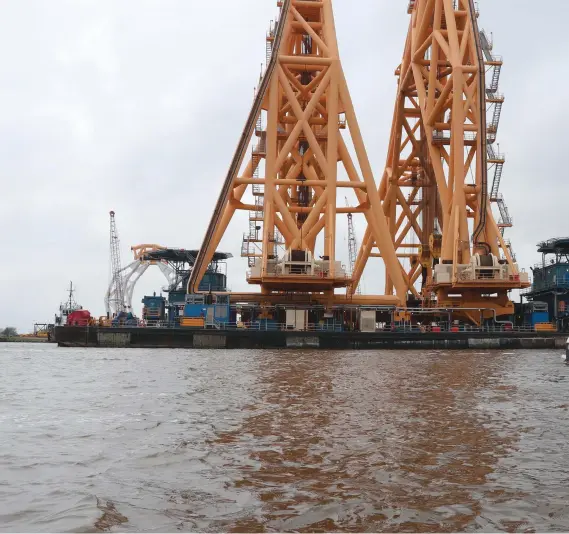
(428,218)
(293,167)
(434,189)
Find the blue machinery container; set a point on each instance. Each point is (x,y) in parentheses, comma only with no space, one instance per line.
(536,313)
(154,308)
(213,308)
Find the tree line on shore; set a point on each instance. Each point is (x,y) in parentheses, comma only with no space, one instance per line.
(9,331)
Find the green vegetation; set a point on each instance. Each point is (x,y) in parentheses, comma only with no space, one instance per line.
(9,331)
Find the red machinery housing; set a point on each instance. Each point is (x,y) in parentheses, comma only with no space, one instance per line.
(79,318)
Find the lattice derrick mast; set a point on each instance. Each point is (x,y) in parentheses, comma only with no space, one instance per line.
(435,178)
(352,246)
(306,102)
(115,297)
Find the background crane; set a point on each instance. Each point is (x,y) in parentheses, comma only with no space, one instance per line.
(352,245)
(115,298)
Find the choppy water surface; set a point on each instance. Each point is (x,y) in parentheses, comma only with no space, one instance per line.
(142,440)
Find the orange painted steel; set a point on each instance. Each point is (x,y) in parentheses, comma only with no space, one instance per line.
(429,220)
(305,101)
(434,188)
(140,251)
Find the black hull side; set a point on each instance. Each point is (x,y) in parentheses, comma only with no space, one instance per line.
(254,339)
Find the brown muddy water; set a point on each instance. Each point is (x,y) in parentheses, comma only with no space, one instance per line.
(157,440)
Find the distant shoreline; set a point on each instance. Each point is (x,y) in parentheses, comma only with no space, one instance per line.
(23,339)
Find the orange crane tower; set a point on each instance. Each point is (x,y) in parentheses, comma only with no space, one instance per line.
(304,100)
(434,186)
(429,218)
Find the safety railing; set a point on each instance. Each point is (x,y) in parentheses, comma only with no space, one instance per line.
(256,215)
(562,282)
(494,156)
(440,136)
(495,97)
(444,136)
(417,329)
(267,326)
(424,329)
(496,59)
(276,238)
(315,276)
(260,148)
(141,323)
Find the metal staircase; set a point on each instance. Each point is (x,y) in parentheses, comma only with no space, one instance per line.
(497,62)
(487,45)
(250,247)
(497,160)
(495,122)
(498,170)
(495,99)
(508,244)
(270,40)
(492,96)
(505,220)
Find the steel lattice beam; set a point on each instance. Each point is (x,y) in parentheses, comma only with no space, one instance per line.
(434,187)
(306,103)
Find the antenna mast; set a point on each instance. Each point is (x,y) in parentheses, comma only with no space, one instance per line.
(71,302)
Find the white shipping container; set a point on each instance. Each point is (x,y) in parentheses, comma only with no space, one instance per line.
(367,321)
(296,319)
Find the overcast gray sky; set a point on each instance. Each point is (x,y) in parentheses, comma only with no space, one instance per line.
(137,105)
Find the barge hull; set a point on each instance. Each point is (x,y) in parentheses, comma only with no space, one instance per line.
(253,339)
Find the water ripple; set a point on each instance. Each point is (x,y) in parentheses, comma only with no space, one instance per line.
(142,440)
